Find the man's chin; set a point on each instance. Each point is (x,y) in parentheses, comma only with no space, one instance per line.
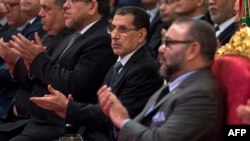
(165,72)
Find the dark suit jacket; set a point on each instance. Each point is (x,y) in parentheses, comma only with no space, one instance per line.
(24,91)
(7,34)
(154,36)
(207,18)
(36,26)
(8,88)
(225,36)
(4,28)
(80,71)
(193,111)
(136,82)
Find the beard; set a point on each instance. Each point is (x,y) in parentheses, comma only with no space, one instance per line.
(168,71)
(165,72)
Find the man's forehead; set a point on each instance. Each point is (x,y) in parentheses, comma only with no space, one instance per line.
(126,19)
(177,29)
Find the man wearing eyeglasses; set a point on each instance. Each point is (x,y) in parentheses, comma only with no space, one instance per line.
(77,68)
(51,13)
(135,81)
(15,16)
(8,88)
(190,107)
(31,9)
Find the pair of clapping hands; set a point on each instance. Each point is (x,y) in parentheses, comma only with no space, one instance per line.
(19,46)
(109,103)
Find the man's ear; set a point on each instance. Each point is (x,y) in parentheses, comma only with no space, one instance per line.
(142,35)
(193,51)
(93,7)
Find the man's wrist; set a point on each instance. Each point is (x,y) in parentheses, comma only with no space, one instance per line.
(125,122)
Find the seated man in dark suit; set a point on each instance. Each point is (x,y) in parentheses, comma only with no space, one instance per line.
(190,107)
(31,9)
(77,66)
(8,87)
(136,81)
(16,18)
(222,14)
(53,22)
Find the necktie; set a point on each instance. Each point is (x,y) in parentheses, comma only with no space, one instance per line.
(118,65)
(164,92)
(73,39)
(217,28)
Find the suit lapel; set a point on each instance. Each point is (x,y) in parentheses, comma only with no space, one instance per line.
(227,33)
(56,44)
(137,55)
(150,107)
(82,39)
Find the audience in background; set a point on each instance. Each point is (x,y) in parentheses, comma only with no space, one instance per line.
(154,35)
(75,54)
(8,87)
(136,81)
(167,12)
(31,9)
(16,18)
(197,9)
(222,14)
(72,67)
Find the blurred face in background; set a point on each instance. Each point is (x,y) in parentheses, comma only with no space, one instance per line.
(31,7)
(221,10)
(188,7)
(149,4)
(167,10)
(52,16)
(14,14)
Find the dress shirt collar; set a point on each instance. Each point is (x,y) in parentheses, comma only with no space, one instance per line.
(178,80)
(20,28)
(152,13)
(198,17)
(88,27)
(224,25)
(125,59)
(32,20)
(3,21)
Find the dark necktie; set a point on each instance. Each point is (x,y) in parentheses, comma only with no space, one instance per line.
(118,65)
(217,28)
(164,92)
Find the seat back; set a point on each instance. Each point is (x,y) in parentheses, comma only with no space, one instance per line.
(233,74)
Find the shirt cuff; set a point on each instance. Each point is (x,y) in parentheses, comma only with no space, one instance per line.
(125,121)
